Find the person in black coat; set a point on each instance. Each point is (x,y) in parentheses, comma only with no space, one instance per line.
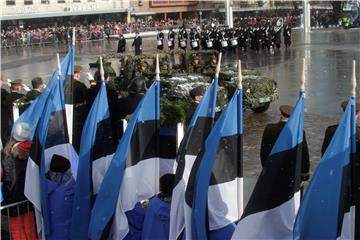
(196,95)
(329,133)
(30,96)
(137,44)
(38,87)
(127,105)
(242,38)
(14,159)
(183,36)
(121,44)
(7,111)
(160,40)
(4,117)
(171,39)
(287,36)
(276,37)
(194,39)
(271,134)
(112,97)
(80,107)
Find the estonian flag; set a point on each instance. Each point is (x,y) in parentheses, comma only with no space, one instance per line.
(216,199)
(133,174)
(51,138)
(33,113)
(67,79)
(96,152)
(274,202)
(326,211)
(196,134)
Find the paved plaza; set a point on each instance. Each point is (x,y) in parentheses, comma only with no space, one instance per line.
(328,53)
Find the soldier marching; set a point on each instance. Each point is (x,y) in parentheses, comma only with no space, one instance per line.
(264,35)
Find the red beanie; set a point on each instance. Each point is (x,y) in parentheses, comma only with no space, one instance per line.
(24,146)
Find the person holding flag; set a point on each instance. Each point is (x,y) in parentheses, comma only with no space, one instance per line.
(273,204)
(96,152)
(192,144)
(51,138)
(136,155)
(271,134)
(217,196)
(157,217)
(329,205)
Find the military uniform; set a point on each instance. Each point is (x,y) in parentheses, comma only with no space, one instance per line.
(121,44)
(210,67)
(171,39)
(7,113)
(160,37)
(80,109)
(137,44)
(329,133)
(194,39)
(28,99)
(271,134)
(183,37)
(195,66)
(4,115)
(287,36)
(32,95)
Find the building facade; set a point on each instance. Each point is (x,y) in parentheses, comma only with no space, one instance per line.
(30,9)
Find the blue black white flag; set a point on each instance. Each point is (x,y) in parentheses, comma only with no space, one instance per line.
(33,113)
(67,79)
(274,202)
(216,200)
(194,139)
(96,152)
(50,138)
(133,174)
(327,210)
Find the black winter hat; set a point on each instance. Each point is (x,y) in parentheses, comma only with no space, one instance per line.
(167,184)
(198,91)
(137,85)
(59,164)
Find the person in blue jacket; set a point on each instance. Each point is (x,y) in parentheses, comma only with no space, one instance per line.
(60,187)
(157,218)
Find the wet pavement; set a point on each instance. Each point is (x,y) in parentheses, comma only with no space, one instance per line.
(328,53)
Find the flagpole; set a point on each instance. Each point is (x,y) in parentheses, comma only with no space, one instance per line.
(302,82)
(239,84)
(73,37)
(59,65)
(240,199)
(356,177)
(157,69)
(353,80)
(102,73)
(157,162)
(217,71)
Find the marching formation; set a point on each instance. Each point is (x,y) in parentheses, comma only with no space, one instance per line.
(259,37)
(125,186)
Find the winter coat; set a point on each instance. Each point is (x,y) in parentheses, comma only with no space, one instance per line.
(13,182)
(157,220)
(61,198)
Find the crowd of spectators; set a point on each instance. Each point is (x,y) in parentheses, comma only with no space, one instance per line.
(14,36)
(292,21)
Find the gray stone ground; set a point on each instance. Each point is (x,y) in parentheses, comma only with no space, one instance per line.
(328,54)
